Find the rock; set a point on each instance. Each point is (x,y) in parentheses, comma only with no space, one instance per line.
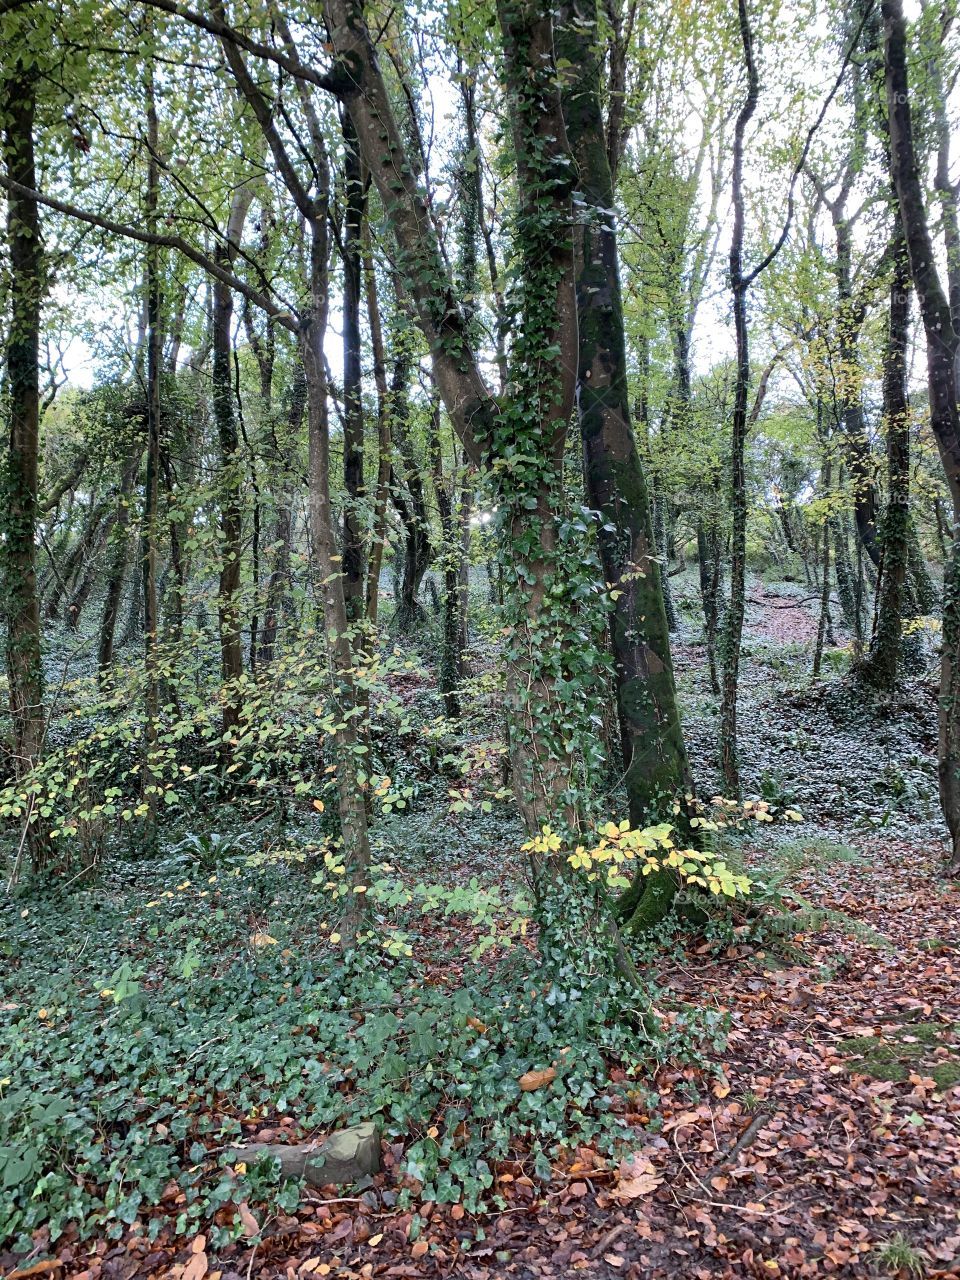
(344,1157)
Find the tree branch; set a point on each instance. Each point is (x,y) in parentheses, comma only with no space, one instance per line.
(163,242)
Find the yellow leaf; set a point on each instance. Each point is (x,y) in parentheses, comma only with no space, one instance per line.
(262,940)
(319,806)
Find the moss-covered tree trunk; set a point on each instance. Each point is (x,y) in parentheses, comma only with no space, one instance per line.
(18,509)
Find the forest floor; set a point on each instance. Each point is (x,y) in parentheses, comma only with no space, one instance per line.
(821,1139)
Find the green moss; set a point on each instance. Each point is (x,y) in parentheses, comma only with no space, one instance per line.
(925,1032)
(946,1074)
(896,1057)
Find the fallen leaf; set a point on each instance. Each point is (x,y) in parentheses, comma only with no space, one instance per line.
(196,1268)
(251,1227)
(536,1079)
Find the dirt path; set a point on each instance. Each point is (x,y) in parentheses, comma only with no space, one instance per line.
(781,619)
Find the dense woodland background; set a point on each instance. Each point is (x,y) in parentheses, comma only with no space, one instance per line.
(480,491)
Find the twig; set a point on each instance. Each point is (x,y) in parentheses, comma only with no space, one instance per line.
(748,1135)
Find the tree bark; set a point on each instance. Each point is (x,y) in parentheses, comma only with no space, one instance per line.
(20,470)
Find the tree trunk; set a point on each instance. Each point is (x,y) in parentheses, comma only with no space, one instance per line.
(408,498)
(151,482)
(231,511)
(384,434)
(329,580)
(117,570)
(20,471)
(733,623)
(942,348)
(354,582)
(880,666)
(278,583)
(656,768)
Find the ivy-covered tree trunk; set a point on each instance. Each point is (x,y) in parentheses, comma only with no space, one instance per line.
(943,344)
(278,582)
(850,315)
(150,524)
(522,437)
(656,767)
(409,498)
(18,509)
(881,663)
(923,590)
(117,565)
(452,554)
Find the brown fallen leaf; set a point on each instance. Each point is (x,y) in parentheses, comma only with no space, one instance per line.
(251,1227)
(196,1268)
(420,1248)
(36,1269)
(638,1178)
(537,1079)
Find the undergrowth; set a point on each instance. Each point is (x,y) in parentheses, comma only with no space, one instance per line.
(144,1026)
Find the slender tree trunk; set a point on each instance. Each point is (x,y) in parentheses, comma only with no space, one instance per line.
(151,482)
(323,541)
(708,559)
(733,624)
(278,583)
(824,622)
(231,511)
(451,650)
(410,502)
(881,664)
(354,582)
(117,570)
(384,434)
(20,465)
